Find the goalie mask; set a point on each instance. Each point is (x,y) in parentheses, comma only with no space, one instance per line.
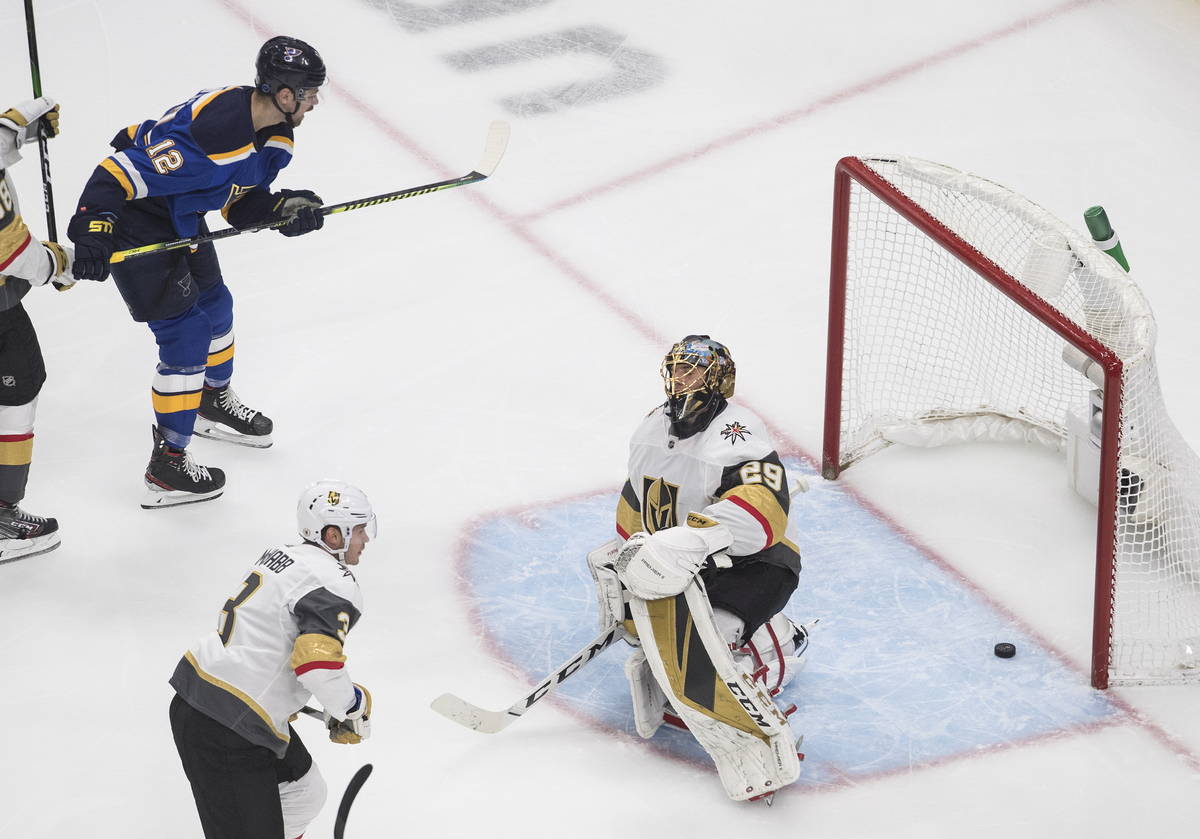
(698,376)
(336,504)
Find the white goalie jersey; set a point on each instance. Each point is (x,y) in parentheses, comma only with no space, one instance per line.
(728,472)
(278,641)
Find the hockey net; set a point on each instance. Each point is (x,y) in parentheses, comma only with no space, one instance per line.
(960,310)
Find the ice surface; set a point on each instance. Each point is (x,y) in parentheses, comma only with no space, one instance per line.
(477,359)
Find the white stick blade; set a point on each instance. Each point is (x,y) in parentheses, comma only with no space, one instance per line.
(471,716)
(493,150)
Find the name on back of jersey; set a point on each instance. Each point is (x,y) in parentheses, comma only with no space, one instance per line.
(275,560)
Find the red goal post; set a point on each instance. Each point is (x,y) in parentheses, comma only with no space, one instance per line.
(959,310)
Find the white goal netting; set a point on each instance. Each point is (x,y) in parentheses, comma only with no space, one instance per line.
(933,352)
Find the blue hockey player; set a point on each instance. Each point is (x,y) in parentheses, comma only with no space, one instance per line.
(219,150)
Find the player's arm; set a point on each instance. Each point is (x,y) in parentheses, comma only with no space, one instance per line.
(142,165)
(753,503)
(324,619)
(629,512)
(22,255)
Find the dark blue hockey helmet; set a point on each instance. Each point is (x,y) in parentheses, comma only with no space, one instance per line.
(288,62)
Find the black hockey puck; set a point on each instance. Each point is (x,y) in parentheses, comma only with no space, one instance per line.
(1005,650)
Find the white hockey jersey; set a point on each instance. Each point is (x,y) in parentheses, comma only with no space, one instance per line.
(278,641)
(23,260)
(729,472)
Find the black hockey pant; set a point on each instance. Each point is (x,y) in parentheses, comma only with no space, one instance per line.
(235,783)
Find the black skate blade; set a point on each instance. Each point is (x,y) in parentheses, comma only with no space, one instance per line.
(157,498)
(12,554)
(215,431)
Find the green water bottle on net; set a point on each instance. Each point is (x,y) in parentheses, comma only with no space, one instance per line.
(1104,235)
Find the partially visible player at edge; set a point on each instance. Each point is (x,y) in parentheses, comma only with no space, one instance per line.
(707,498)
(219,150)
(24,262)
(278,642)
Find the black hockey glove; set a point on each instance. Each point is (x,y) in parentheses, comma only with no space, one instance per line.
(92,234)
(302,207)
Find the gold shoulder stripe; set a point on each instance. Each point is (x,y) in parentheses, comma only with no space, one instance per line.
(312,650)
(228,688)
(763,506)
(281,140)
(230,156)
(207,100)
(109,165)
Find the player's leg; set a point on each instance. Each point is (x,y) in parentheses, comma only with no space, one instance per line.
(730,714)
(223,416)
(21,375)
(233,781)
(172,477)
(747,601)
(302,790)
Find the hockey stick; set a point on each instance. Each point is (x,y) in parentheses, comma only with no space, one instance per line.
(493,150)
(491,722)
(312,712)
(352,788)
(35,70)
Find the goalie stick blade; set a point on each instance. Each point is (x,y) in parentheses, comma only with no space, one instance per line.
(352,788)
(472,716)
(493,150)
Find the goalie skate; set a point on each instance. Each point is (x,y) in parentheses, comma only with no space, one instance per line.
(224,417)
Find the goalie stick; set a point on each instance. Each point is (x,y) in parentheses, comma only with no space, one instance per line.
(497,142)
(491,722)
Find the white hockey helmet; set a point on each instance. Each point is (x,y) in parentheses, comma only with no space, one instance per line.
(337,504)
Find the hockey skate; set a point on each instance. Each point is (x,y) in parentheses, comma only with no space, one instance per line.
(23,535)
(223,417)
(172,478)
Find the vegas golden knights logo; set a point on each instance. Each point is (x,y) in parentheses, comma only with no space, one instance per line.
(334,497)
(659,504)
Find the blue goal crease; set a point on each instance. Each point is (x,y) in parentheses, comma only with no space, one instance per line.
(900,671)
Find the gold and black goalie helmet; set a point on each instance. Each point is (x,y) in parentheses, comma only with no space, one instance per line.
(694,370)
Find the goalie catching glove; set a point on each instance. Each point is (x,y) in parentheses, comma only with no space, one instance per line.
(661,564)
(356,726)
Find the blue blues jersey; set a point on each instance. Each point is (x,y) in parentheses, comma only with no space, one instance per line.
(201,155)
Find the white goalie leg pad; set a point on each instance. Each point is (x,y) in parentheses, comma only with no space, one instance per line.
(732,716)
(301,801)
(649,701)
(610,594)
